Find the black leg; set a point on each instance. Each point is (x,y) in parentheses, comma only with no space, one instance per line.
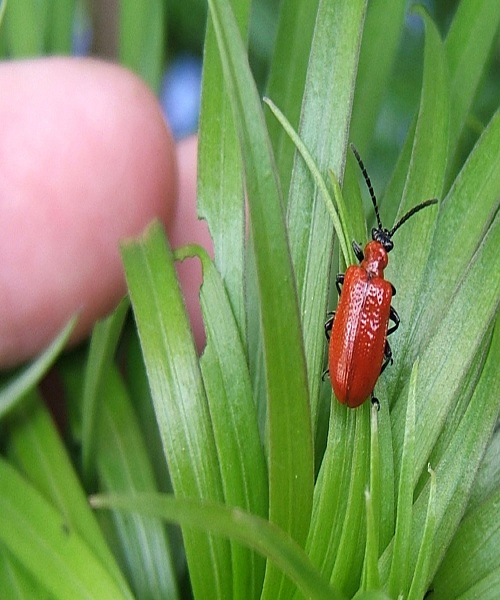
(339,280)
(394,317)
(387,357)
(329,324)
(375,402)
(358,251)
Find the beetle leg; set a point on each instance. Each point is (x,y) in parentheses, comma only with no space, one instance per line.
(339,280)
(325,374)
(387,357)
(375,402)
(394,317)
(329,324)
(393,290)
(358,251)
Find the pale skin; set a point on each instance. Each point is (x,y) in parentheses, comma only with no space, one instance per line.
(86,160)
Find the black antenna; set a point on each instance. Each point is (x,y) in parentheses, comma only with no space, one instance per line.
(410,213)
(368,183)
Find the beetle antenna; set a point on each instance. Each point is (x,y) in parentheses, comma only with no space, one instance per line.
(368,183)
(410,213)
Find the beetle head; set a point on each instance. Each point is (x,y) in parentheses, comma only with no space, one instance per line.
(383,236)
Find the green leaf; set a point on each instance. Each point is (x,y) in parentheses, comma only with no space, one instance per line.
(287,77)
(34,446)
(335,542)
(456,468)
(179,398)
(324,127)
(62,13)
(124,466)
(220,171)
(25,26)
(471,37)
(399,575)
(290,464)
(338,212)
(136,381)
(371,575)
(469,307)
(381,37)
(105,336)
(473,200)
(424,180)
(258,533)
(142,39)
(56,556)
(488,478)
(419,584)
(21,383)
(471,566)
(234,418)
(17,584)
(3,6)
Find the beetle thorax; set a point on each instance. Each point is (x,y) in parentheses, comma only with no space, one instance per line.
(375,260)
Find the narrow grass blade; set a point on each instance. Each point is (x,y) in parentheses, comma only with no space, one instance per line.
(464,217)
(179,398)
(234,418)
(123,466)
(57,557)
(423,565)
(25,26)
(444,364)
(258,533)
(290,463)
(371,576)
(459,463)
(471,37)
(220,171)
(488,478)
(338,525)
(324,127)
(471,567)
(142,39)
(350,551)
(21,383)
(103,343)
(287,77)
(382,31)
(33,445)
(399,576)
(370,579)
(337,213)
(62,14)
(424,180)
(3,6)
(17,583)
(456,469)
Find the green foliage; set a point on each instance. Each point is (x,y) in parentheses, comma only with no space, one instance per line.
(280,491)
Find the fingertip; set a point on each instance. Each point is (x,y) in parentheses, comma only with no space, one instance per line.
(85,160)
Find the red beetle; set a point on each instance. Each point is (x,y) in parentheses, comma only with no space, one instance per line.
(358,330)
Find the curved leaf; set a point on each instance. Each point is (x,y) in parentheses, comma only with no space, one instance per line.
(290,465)
(21,383)
(178,396)
(56,557)
(237,524)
